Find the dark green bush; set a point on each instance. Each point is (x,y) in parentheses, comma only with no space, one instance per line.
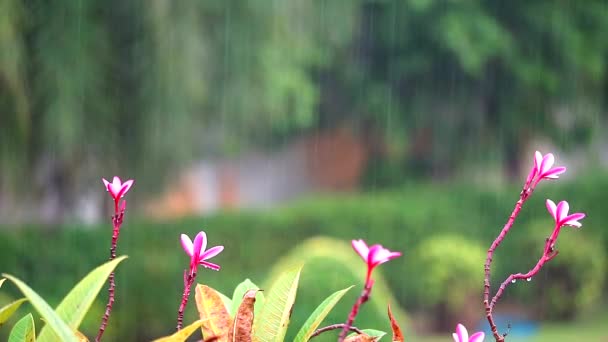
(445,277)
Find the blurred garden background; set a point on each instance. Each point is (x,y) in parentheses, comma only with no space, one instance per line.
(285,129)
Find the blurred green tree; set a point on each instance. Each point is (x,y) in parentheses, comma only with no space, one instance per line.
(148,85)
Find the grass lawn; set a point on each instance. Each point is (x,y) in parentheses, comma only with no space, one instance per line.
(589,329)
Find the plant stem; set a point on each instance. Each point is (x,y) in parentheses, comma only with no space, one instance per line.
(333,327)
(188,280)
(116,223)
(364,297)
(526,192)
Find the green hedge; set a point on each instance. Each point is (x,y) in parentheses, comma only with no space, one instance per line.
(149,283)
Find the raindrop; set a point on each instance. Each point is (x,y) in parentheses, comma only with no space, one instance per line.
(513,281)
(529,279)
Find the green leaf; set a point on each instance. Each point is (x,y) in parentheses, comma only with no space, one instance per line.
(274,316)
(8,310)
(182,335)
(77,303)
(319,315)
(60,328)
(227,301)
(375,334)
(24,330)
(239,292)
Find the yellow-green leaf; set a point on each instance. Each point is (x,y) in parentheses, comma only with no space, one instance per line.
(182,335)
(243,320)
(2,281)
(78,301)
(319,315)
(8,310)
(271,324)
(227,301)
(23,330)
(81,337)
(213,312)
(60,328)
(368,335)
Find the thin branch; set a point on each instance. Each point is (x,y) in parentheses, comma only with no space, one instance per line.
(117,220)
(188,280)
(526,192)
(364,297)
(334,327)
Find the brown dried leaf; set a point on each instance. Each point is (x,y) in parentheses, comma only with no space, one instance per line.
(213,312)
(243,321)
(361,338)
(397,334)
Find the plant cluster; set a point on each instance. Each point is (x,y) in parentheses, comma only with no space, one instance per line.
(252,314)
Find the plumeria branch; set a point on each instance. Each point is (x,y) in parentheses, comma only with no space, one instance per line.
(364,297)
(373,256)
(117,190)
(188,281)
(541,170)
(334,327)
(198,256)
(561,217)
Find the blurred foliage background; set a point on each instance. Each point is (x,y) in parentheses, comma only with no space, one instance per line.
(448,98)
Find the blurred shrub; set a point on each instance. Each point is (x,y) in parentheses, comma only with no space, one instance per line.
(446,270)
(445,275)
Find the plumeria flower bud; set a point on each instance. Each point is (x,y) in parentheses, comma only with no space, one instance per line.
(373,256)
(462,335)
(198,254)
(542,167)
(117,189)
(560,214)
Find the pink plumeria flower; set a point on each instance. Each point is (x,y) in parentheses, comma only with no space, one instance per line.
(373,256)
(198,254)
(560,214)
(542,167)
(462,335)
(117,189)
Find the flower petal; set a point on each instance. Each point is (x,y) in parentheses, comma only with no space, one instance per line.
(187,244)
(372,261)
(361,248)
(554,172)
(572,220)
(477,337)
(538,159)
(211,252)
(562,210)
(125,187)
(116,182)
(210,265)
(106,183)
(547,162)
(383,255)
(200,242)
(551,207)
(462,333)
